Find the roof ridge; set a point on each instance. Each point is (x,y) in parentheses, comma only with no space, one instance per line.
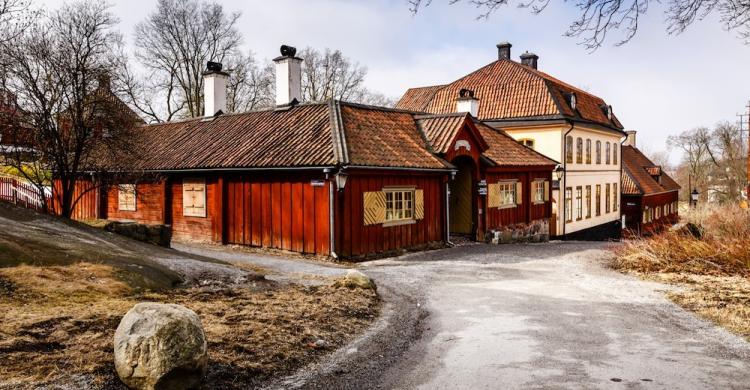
(503,133)
(378,108)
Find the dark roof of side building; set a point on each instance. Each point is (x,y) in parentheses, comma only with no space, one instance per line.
(640,176)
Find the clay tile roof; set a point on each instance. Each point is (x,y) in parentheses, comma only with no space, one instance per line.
(637,178)
(507,90)
(307,135)
(504,150)
(384,137)
(441,130)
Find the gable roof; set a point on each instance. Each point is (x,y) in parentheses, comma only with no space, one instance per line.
(637,178)
(509,90)
(307,135)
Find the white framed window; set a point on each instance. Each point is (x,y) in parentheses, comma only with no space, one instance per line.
(527,142)
(606,198)
(615,198)
(608,152)
(588,201)
(507,191)
(126,197)
(579,203)
(399,204)
(538,191)
(579,150)
(568,204)
(615,146)
(588,151)
(194,197)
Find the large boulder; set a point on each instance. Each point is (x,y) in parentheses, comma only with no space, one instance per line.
(160,346)
(356,279)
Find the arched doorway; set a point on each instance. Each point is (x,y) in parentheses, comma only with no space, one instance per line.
(462,215)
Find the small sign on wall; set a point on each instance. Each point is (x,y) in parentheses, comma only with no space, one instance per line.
(317,183)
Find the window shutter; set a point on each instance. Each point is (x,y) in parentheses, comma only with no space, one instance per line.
(493,195)
(193,198)
(418,204)
(546,191)
(519,192)
(374,207)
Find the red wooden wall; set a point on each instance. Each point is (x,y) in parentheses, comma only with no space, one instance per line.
(354,239)
(526,211)
(149,203)
(632,207)
(86,195)
(288,212)
(193,228)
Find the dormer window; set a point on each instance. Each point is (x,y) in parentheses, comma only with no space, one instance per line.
(607,109)
(571,97)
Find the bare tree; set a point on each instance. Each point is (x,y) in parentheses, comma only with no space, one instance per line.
(15,16)
(174,44)
(250,85)
(598,18)
(58,70)
(329,74)
(695,166)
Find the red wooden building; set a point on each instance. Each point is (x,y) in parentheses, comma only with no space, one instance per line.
(649,195)
(332,178)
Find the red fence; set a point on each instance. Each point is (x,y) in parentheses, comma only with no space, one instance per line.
(22,194)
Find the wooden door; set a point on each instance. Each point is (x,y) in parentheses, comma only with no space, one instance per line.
(461,202)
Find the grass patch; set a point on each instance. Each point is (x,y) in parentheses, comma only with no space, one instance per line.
(712,269)
(59,322)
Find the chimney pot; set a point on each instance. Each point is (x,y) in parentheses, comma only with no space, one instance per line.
(630,141)
(503,50)
(214,89)
(466,102)
(288,77)
(530,59)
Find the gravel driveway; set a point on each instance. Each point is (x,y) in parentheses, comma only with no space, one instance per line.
(524,316)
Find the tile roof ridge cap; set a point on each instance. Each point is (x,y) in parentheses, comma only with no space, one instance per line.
(232,114)
(378,108)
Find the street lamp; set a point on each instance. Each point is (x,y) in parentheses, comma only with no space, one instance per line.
(559,172)
(341,180)
(694,197)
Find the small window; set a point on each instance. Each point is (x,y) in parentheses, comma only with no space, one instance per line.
(614,152)
(194,197)
(608,152)
(598,152)
(569,150)
(588,151)
(579,203)
(588,201)
(538,187)
(126,198)
(606,198)
(579,150)
(507,193)
(527,142)
(568,204)
(615,198)
(399,204)
(598,200)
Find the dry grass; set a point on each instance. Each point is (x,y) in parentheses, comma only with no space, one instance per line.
(713,270)
(58,323)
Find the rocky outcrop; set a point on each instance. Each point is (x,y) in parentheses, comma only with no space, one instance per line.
(153,234)
(160,346)
(356,279)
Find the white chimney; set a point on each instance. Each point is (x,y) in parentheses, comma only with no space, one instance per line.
(630,141)
(214,90)
(288,77)
(466,102)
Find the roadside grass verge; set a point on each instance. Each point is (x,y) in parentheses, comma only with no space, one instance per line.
(710,265)
(58,323)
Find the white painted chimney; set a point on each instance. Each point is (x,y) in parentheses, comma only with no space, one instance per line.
(214,89)
(466,102)
(288,77)
(630,141)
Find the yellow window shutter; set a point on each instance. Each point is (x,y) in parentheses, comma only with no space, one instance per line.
(418,204)
(546,191)
(493,195)
(374,207)
(519,192)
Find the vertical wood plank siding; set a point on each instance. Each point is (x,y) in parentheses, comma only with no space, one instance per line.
(288,213)
(86,195)
(354,239)
(149,204)
(526,211)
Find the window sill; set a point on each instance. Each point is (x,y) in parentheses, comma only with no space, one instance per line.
(507,206)
(399,222)
(538,202)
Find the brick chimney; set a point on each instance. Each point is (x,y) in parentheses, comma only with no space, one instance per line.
(466,102)
(288,77)
(214,89)
(630,141)
(529,59)
(503,50)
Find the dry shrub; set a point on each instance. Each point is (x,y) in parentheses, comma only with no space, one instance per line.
(723,249)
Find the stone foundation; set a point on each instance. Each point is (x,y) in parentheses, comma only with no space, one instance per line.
(536,231)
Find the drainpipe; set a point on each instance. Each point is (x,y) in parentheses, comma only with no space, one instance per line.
(565,178)
(448,214)
(619,188)
(331,219)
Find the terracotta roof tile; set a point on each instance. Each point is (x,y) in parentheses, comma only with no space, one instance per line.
(441,130)
(506,90)
(504,150)
(637,178)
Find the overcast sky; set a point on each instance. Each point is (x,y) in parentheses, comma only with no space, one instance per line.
(657,84)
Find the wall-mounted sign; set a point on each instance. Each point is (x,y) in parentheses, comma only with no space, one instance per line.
(462,143)
(482,183)
(482,190)
(317,183)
